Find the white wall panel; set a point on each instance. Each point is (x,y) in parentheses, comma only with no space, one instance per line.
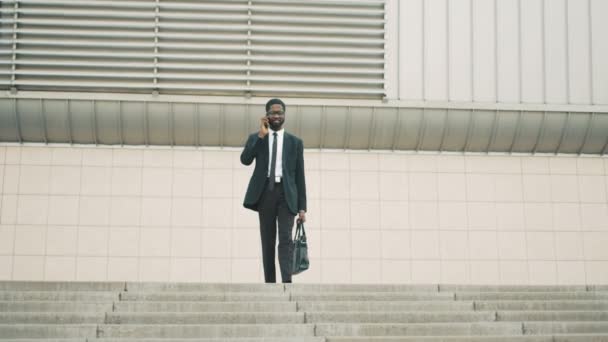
(411,67)
(599,10)
(484,52)
(532,51)
(556,53)
(460,50)
(578,52)
(508,58)
(435,50)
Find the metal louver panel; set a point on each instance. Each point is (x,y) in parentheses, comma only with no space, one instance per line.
(332,48)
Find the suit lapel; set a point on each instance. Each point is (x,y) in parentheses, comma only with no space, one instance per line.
(286,146)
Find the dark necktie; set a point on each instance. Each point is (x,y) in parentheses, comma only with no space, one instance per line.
(273,163)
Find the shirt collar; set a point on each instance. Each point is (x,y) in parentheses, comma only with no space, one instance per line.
(279,132)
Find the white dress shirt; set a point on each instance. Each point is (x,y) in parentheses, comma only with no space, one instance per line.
(279,166)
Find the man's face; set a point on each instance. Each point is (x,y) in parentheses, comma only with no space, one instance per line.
(276,117)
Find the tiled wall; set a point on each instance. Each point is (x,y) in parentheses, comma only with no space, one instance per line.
(161,214)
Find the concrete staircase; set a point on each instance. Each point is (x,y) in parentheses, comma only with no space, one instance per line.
(163,312)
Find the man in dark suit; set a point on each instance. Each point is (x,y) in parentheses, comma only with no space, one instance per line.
(277,188)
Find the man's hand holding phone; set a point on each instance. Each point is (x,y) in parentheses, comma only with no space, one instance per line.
(263,127)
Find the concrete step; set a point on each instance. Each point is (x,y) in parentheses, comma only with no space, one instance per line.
(513,288)
(534,305)
(61,286)
(51,317)
(206,287)
(546,328)
(77,296)
(366,306)
(532,296)
(205,318)
(373,296)
(148,306)
(514,338)
(42,306)
(360,288)
(44,340)
(206,330)
(203,296)
(400,317)
(419,329)
(240,339)
(523,316)
(47,331)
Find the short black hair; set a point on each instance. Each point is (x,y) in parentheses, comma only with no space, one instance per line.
(273,102)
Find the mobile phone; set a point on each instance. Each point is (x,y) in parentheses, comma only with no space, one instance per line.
(266,123)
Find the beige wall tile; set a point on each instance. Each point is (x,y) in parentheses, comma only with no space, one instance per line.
(595,245)
(217,183)
(335,185)
(365,271)
(11,179)
(451,187)
(364,185)
(425,245)
(94,210)
(156,211)
(186,212)
(6,267)
(216,270)
(453,245)
(541,245)
(127,181)
(483,245)
(246,243)
(596,272)
(31,155)
(394,186)
(396,272)
(91,268)
(2,154)
(32,209)
(590,166)
(158,157)
(186,270)
(186,243)
(569,246)
(336,244)
(96,180)
(455,164)
(155,242)
(513,272)
(124,242)
(564,188)
(566,216)
(217,212)
(364,161)
(480,187)
(97,157)
(127,157)
(453,215)
(313,186)
(7,239)
(537,188)
(12,155)
(312,275)
(423,187)
(594,216)
(246,218)
(392,162)
(335,214)
(512,245)
(422,163)
(426,272)
(334,161)
(481,215)
(481,164)
(510,216)
(154,269)
(455,272)
(122,269)
(157,182)
(219,159)
(28,267)
(535,165)
(93,241)
(9,209)
(394,215)
(65,180)
(312,160)
(187,183)
(66,156)
(216,243)
(423,215)
(125,211)
(34,179)
(570,272)
(396,245)
(59,268)
(30,240)
(248,271)
(63,210)
(539,216)
(542,272)
(366,244)
(364,214)
(592,189)
(62,241)
(188,159)
(335,271)
(562,165)
(509,188)
(485,272)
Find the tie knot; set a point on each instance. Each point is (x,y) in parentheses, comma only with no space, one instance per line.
(275,134)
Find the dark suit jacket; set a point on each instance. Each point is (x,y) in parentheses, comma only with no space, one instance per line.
(293,180)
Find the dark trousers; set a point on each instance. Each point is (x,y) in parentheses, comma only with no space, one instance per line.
(272,209)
